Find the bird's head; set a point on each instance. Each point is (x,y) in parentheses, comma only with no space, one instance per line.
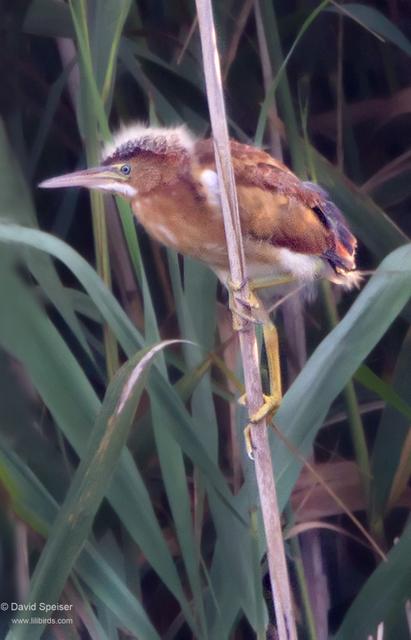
(136,161)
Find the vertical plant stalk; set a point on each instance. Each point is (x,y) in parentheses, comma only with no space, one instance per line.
(285,102)
(79,16)
(240,25)
(340,93)
(267,71)
(299,568)
(104,271)
(280,585)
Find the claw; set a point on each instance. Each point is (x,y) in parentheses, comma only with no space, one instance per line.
(270,406)
(248,442)
(251,303)
(242,400)
(235,286)
(271,402)
(267,409)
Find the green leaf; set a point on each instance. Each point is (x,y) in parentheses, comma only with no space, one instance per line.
(376,21)
(384,594)
(179,421)
(393,189)
(270,95)
(392,433)
(19,429)
(368,221)
(62,392)
(332,364)
(163,106)
(48,115)
(27,333)
(90,483)
(106,25)
(16,206)
(34,505)
(170,454)
(368,379)
(126,333)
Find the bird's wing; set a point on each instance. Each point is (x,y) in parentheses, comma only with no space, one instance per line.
(277,207)
(291,213)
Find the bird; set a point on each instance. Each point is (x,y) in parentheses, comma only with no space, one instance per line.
(290,228)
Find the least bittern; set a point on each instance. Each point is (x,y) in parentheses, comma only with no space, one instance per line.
(291,229)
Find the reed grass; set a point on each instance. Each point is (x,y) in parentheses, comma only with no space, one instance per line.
(172,545)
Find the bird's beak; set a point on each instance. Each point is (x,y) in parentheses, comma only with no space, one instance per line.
(105,178)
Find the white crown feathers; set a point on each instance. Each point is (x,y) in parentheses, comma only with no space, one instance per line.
(159,140)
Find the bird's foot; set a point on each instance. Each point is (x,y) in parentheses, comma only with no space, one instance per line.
(267,410)
(250,304)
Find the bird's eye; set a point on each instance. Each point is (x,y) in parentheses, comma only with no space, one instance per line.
(125,169)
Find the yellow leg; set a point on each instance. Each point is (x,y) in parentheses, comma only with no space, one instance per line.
(273,400)
(267,283)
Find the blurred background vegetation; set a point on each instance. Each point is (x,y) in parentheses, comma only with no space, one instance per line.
(176,548)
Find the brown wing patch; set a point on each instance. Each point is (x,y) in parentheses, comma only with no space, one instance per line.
(309,223)
(244,156)
(276,206)
(284,215)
